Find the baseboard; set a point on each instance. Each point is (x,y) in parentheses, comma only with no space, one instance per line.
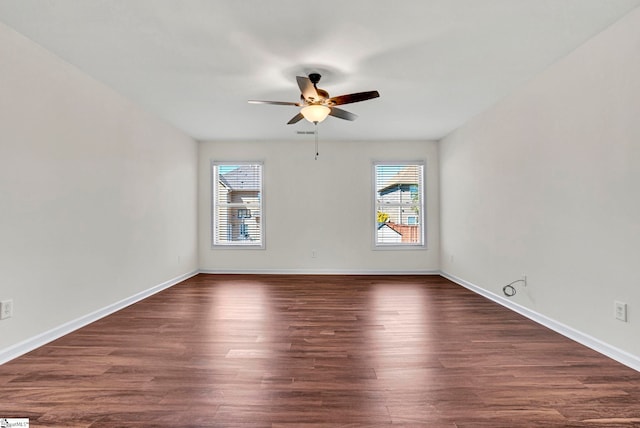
(597,345)
(316,272)
(42,339)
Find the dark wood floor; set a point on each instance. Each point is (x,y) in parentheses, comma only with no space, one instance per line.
(311,351)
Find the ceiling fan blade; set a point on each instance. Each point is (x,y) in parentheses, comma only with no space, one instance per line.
(295,119)
(353,98)
(279,103)
(307,89)
(342,114)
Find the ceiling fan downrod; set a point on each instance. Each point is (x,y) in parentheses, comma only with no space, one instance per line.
(315,78)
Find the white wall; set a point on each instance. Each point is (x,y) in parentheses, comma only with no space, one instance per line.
(324,205)
(97,199)
(546,183)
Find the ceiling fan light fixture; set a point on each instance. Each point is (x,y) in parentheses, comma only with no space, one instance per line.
(315,113)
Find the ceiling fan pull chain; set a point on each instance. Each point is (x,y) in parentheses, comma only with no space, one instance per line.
(317,154)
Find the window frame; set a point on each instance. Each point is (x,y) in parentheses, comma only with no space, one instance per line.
(239,244)
(421,215)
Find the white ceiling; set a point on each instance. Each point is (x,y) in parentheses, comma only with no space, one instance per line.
(195,63)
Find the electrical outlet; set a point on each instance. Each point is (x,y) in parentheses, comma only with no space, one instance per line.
(6,309)
(620,311)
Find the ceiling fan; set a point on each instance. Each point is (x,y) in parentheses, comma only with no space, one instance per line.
(316,103)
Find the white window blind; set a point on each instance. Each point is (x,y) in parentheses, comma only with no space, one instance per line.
(237,204)
(399,204)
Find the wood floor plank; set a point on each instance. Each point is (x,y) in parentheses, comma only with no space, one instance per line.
(318,351)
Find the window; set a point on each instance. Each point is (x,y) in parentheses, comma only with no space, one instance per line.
(399,204)
(237,204)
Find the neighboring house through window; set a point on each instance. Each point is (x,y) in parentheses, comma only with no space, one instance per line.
(237,204)
(399,204)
